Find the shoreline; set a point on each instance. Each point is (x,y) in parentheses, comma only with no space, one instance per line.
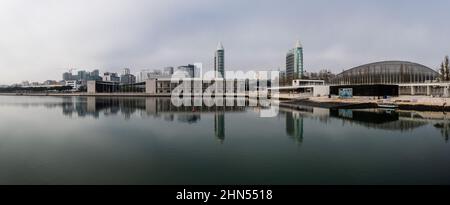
(87,94)
(407,103)
(367,105)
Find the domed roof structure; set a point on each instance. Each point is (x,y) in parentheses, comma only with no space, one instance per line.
(387,72)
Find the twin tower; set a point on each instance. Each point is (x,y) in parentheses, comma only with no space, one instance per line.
(294,62)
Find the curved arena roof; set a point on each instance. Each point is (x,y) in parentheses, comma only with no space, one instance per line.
(387,72)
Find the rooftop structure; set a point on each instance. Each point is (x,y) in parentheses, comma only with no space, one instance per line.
(386,72)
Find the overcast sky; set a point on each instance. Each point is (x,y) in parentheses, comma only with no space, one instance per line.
(40,40)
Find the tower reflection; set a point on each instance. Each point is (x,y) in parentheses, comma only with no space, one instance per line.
(294,126)
(219,126)
(160,108)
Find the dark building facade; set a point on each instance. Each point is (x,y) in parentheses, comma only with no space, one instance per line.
(367,90)
(127,79)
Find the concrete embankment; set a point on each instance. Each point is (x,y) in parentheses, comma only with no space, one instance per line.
(435,105)
(416,107)
(330,105)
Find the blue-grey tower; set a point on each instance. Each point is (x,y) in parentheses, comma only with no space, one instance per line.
(219,61)
(294,62)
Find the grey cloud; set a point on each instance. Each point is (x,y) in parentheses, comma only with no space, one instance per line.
(41,39)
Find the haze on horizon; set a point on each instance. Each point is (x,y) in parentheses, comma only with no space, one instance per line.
(39,40)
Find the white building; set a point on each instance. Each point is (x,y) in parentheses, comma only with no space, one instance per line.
(73,83)
(126,71)
(142,75)
(300,82)
(198,70)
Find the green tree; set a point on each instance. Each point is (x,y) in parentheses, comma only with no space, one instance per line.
(447,72)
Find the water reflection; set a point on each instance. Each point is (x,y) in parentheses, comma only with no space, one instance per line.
(162,108)
(294,126)
(157,107)
(444,128)
(371,118)
(377,118)
(219,126)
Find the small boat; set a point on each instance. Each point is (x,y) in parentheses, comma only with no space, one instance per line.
(388,105)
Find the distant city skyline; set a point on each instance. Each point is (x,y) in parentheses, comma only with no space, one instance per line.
(41,40)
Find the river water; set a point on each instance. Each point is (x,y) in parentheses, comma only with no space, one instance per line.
(100,140)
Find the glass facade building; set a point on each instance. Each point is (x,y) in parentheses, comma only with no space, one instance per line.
(386,72)
(294,63)
(219,61)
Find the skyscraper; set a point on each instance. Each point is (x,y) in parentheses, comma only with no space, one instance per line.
(294,63)
(219,61)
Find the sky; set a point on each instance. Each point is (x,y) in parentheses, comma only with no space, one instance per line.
(39,40)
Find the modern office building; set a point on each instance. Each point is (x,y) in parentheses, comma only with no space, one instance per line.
(82,75)
(111,77)
(95,75)
(186,71)
(386,72)
(294,63)
(142,75)
(67,76)
(219,61)
(127,79)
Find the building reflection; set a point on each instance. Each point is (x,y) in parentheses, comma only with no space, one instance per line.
(162,108)
(154,107)
(444,127)
(294,126)
(159,108)
(378,118)
(370,118)
(219,126)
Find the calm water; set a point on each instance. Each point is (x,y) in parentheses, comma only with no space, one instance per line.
(87,140)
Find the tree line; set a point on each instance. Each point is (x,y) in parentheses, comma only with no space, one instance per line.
(444,71)
(35,89)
